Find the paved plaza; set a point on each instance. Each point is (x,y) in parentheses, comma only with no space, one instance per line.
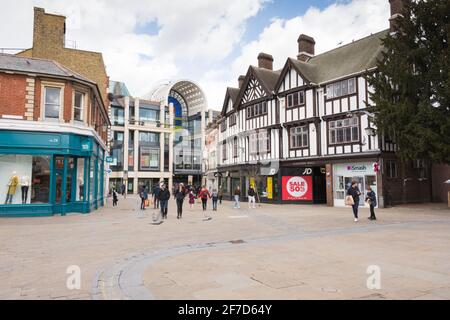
(272,252)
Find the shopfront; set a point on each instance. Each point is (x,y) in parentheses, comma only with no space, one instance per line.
(343,175)
(300,184)
(50,173)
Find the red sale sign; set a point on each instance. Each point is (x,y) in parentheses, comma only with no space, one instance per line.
(297,188)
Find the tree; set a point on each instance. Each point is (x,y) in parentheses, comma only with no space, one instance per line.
(411,97)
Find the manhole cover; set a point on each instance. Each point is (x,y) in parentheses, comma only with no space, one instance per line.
(237,241)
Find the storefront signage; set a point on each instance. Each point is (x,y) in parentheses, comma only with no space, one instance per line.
(297,188)
(307,172)
(109,159)
(359,168)
(269,188)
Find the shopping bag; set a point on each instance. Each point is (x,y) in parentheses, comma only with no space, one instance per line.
(147,203)
(349,201)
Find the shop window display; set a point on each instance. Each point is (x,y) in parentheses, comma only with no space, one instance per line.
(27,179)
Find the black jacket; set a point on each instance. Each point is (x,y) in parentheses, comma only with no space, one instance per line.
(372,197)
(164,194)
(179,195)
(251,192)
(354,192)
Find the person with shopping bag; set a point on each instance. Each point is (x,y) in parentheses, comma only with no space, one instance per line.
(144,197)
(352,198)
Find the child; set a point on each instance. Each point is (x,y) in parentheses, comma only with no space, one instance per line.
(371,198)
(191,199)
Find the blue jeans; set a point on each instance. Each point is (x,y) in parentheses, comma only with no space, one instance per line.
(164,206)
(214,203)
(236,202)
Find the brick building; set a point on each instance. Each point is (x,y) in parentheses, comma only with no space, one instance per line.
(53,133)
(49,42)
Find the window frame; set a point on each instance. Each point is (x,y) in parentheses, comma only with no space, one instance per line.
(338,129)
(335,90)
(304,130)
(54,85)
(82,108)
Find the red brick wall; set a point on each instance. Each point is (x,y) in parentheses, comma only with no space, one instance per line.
(68,102)
(12,94)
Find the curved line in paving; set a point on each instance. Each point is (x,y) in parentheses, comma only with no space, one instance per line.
(124,280)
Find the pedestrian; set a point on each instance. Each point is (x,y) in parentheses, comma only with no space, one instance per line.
(191,198)
(371,199)
(204,195)
(123,189)
(215,198)
(144,197)
(115,197)
(180,194)
(164,196)
(220,194)
(237,196)
(354,193)
(251,198)
(155,194)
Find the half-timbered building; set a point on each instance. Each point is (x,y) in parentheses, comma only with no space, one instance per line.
(303,133)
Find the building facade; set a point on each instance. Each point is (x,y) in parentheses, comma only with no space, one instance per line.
(303,133)
(140,139)
(158,138)
(53,133)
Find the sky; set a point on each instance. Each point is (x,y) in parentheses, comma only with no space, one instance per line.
(211,42)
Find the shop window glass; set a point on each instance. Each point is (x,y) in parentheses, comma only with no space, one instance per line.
(26,179)
(78,106)
(148,159)
(80,180)
(52,102)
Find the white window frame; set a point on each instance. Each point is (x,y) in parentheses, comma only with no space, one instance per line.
(341,125)
(57,85)
(301,131)
(83,106)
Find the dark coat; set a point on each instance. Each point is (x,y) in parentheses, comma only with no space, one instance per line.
(164,194)
(251,192)
(354,192)
(179,195)
(372,197)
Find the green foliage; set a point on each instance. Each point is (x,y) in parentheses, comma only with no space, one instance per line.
(412,83)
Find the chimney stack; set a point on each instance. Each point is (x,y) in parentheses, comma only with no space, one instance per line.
(306,47)
(397,7)
(265,61)
(241,81)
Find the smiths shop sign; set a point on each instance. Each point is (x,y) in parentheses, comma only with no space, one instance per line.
(357,168)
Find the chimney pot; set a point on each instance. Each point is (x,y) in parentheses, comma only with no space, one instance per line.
(265,61)
(306,47)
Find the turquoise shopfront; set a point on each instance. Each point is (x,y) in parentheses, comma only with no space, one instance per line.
(46,173)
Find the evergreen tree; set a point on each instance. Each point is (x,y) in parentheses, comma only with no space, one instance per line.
(411,96)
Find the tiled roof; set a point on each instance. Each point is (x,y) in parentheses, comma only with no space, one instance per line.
(38,66)
(269,78)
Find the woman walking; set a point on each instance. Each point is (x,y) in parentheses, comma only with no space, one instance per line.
(204,195)
(115,197)
(215,198)
(237,196)
(354,192)
(191,198)
(144,197)
(220,194)
(371,199)
(180,193)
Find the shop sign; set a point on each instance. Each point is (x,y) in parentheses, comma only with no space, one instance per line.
(109,159)
(357,168)
(297,188)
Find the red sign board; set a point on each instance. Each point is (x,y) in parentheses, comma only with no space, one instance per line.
(297,188)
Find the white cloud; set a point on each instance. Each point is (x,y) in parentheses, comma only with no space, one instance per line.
(193,40)
(340,22)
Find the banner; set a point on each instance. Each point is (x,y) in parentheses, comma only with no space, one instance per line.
(297,188)
(269,188)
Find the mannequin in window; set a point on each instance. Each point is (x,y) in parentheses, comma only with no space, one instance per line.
(81,189)
(25,185)
(12,186)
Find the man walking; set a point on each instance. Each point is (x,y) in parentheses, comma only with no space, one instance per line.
(164,196)
(251,198)
(155,194)
(220,194)
(237,197)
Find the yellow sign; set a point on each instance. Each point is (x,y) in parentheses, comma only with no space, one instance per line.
(252,183)
(269,188)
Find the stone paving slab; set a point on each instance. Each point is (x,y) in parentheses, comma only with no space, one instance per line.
(275,252)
